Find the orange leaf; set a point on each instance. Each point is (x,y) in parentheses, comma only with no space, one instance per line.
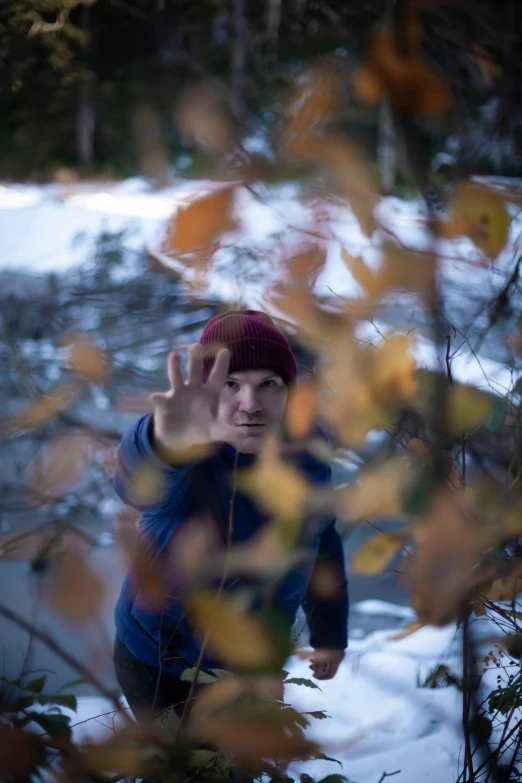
(480,213)
(73,588)
(86,357)
(41,409)
(21,751)
(250,739)
(198,225)
(411,84)
(60,467)
(148,577)
(313,103)
(307,265)
(135,751)
(302,409)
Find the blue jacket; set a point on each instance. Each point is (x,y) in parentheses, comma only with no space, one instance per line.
(207,486)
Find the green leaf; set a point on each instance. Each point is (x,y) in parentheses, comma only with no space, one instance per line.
(54,725)
(334,778)
(36,685)
(302,681)
(317,714)
(222,674)
(203,678)
(324,757)
(202,758)
(64,700)
(495,420)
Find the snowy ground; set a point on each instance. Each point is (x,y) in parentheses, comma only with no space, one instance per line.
(380,719)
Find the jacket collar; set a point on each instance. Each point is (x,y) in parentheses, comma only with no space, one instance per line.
(229,454)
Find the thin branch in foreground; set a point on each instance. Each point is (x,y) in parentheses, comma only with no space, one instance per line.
(65,656)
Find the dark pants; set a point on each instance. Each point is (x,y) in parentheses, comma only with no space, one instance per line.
(147,690)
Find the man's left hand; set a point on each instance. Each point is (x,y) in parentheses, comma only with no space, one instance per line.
(325,663)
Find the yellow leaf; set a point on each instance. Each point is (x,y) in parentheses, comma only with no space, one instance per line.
(481,214)
(198,225)
(417,446)
(410,629)
(376,553)
(505,589)
(146,483)
(302,409)
(278,486)
(378,493)
(466,407)
(236,638)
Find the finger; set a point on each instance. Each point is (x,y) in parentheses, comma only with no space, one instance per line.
(195,365)
(219,371)
(159,400)
(175,371)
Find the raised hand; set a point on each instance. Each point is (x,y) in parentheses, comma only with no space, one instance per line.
(187,412)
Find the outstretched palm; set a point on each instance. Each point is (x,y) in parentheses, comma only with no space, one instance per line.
(187,411)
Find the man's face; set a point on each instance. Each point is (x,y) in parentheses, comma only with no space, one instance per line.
(252,404)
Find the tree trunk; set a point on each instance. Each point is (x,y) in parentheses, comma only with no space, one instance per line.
(237,65)
(273,25)
(387,148)
(85,123)
(85,117)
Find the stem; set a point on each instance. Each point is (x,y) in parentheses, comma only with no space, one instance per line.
(64,655)
(468,756)
(192,691)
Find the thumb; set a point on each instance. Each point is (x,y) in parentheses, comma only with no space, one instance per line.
(159,400)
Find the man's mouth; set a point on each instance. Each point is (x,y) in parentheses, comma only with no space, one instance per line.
(252,425)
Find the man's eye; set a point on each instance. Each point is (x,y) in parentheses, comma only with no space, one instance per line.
(268,383)
(230,384)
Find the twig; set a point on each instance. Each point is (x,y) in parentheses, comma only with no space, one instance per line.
(388,775)
(199,663)
(63,654)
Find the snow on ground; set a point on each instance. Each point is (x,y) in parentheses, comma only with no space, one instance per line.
(380,720)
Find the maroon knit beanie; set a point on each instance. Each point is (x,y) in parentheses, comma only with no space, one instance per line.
(255,343)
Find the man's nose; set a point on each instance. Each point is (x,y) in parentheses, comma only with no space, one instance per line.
(249,400)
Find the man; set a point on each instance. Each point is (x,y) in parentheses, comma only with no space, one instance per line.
(234,399)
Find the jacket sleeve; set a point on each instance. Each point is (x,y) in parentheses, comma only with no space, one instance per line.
(142,479)
(328,615)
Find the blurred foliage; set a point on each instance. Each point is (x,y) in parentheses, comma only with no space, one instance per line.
(447,466)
